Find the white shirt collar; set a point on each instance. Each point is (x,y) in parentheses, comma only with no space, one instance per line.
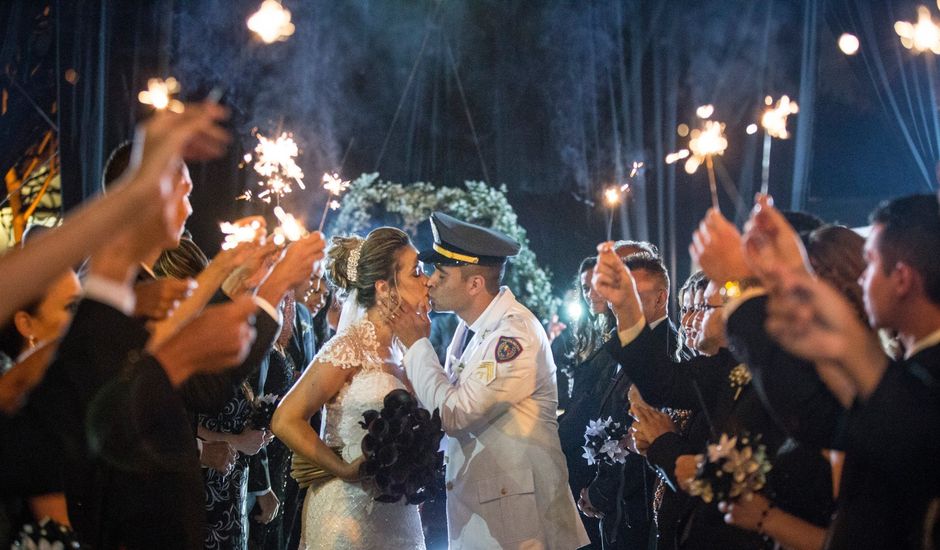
(928,341)
(656,323)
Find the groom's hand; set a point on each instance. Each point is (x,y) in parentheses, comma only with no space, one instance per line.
(410,323)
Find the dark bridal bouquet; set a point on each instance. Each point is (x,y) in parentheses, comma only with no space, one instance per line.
(735,467)
(401,450)
(602,442)
(262,411)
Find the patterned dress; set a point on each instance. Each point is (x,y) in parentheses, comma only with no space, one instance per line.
(226,516)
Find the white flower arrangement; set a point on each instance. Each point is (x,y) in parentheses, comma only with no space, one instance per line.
(602,442)
(730,469)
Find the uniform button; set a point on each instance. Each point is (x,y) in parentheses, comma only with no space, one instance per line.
(503,491)
(450,485)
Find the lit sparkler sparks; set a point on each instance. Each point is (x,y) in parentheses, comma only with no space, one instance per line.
(614,193)
(673,158)
(274,160)
(290,230)
(774,122)
(336,186)
(922,36)
(236,234)
(705,111)
(159,95)
(704,144)
(774,119)
(271,22)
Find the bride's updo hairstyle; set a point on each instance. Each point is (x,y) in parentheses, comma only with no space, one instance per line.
(377,260)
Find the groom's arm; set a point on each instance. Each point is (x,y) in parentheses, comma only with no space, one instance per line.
(495,385)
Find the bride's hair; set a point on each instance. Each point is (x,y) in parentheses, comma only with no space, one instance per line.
(378,260)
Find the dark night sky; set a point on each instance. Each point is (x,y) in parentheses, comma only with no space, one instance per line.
(559,92)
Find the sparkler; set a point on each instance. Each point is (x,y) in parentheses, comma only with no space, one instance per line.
(774,122)
(274,160)
(704,144)
(159,94)
(673,158)
(236,234)
(335,186)
(291,229)
(922,36)
(614,193)
(271,23)
(611,199)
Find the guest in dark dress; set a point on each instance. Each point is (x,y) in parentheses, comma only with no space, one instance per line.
(590,377)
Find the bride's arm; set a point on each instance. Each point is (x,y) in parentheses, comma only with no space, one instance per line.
(291,422)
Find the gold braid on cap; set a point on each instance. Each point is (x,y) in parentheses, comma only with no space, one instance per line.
(352,262)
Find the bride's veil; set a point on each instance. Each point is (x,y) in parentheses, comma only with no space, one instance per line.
(351,313)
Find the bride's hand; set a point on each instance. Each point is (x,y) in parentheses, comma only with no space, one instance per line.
(410,324)
(350,471)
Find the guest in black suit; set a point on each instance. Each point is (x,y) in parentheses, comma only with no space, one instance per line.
(623,494)
(712,385)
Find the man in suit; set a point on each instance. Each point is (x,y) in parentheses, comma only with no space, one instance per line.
(621,494)
(506,477)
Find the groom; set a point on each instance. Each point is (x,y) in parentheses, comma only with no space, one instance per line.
(506,476)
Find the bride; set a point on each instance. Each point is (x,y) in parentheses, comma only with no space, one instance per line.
(353,373)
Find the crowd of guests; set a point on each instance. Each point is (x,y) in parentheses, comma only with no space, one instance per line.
(806,338)
(137,407)
(136,412)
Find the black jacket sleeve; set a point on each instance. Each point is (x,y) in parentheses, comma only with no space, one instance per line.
(788,387)
(663,382)
(208,393)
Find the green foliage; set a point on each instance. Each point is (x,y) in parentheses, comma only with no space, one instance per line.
(406,206)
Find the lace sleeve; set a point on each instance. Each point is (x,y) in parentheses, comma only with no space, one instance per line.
(355,347)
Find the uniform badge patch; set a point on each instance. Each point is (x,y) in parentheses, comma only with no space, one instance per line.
(507,349)
(486,372)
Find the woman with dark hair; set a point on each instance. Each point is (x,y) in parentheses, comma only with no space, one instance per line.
(353,373)
(33,475)
(592,374)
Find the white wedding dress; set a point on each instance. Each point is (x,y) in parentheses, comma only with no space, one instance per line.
(339,514)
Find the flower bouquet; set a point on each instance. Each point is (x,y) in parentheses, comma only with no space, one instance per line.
(732,468)
(46,535)
(602,442)
(401,450)
(262,411)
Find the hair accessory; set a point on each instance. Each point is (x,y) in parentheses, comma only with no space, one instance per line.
(352,262)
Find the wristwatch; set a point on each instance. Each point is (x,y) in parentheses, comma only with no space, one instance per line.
(734,289)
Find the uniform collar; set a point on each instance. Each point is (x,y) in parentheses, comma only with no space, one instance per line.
(494,312)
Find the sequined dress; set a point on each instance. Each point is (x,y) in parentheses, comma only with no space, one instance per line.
(339,514)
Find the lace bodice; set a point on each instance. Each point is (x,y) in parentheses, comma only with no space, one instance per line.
(356,347)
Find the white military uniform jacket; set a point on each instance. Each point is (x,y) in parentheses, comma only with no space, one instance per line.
(507,482)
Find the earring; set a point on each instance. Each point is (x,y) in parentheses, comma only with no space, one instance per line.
(31,341)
